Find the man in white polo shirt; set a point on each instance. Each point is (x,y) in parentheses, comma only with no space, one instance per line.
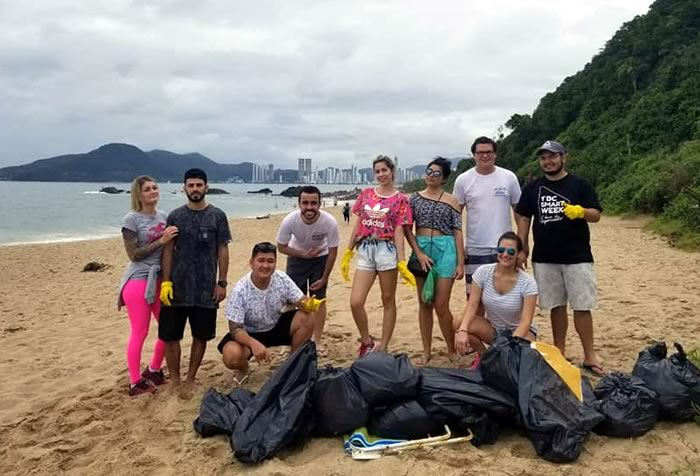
(309,237)
(489,193)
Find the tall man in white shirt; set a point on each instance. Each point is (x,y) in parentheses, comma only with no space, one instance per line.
(489,193)
(309,237)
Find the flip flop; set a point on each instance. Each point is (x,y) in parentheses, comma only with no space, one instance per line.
(240,381)
(597,370)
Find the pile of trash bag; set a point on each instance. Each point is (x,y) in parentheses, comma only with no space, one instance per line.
(629,406)
(675,379)
(518,383)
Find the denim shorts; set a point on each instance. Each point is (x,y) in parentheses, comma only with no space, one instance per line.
(376,255)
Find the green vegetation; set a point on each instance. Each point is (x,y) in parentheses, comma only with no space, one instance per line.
(631,121)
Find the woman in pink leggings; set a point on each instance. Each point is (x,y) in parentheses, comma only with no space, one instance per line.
(144,233)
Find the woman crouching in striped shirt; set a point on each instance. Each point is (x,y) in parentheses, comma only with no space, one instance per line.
(509,296)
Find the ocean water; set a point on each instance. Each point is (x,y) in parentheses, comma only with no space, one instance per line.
(45,212)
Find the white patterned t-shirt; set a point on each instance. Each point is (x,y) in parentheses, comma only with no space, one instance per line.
(258,310)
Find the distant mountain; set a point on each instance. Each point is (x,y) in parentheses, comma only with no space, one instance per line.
(121,163)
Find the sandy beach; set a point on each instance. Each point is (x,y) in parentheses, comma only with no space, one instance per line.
(63,377)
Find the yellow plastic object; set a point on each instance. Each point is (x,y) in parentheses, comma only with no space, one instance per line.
(311,304)
(407,276)
(574,212)
(570,374)
(166,292)
(345,264)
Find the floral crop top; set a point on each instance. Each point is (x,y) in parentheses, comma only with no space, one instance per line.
(440,216)
(379,216)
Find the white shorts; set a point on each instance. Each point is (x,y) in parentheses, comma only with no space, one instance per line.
(376,255)
(559,283)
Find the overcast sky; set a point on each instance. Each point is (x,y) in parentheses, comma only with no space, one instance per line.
(270,81)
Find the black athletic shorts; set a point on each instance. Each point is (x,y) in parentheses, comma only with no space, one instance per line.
(277,336)
(172,321)
(302,269)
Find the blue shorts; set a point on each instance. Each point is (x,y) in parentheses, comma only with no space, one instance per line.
(376,255)
(442,250)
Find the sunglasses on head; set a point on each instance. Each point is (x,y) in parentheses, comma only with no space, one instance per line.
(502,249)
(265,247)
(433,173)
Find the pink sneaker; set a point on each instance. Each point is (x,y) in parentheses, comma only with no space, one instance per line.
(366,348)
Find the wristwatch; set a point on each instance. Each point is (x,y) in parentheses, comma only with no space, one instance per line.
(222,283)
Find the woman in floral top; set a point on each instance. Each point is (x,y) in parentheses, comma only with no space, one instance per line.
(378,237)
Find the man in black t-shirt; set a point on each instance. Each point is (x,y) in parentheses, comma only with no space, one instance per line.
(190,289)
(562,206)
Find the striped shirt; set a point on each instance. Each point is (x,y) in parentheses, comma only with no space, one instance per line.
(504,310)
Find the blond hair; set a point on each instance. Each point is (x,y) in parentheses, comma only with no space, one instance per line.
(136,185)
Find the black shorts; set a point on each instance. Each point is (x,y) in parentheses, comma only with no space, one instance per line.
(171,325)
(301,270)
(277,336)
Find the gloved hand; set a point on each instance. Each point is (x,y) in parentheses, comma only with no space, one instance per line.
(345,264)
(407,276)
(573,212)
(311,304)
(166,292)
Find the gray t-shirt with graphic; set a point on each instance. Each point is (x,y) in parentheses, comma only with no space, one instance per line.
(195,257)
(148,228)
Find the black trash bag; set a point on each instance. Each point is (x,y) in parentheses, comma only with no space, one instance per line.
(500,363)
(282,412)
(675,380)
(555,420)
(218,412)
(448,391)
(484,427)
(405,421)
(385,379)
(339,406)
(630,407)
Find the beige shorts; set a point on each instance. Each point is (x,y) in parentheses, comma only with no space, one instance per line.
(561,283)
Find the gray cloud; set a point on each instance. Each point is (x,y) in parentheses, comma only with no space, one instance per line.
(270,81)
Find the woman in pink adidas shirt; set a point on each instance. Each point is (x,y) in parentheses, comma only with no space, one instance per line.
(378,238)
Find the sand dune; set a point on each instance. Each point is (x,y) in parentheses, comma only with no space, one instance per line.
(63,378)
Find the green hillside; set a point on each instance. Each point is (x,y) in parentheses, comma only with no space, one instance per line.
(630,119)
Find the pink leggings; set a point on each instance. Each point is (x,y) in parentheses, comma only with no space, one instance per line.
(140,319)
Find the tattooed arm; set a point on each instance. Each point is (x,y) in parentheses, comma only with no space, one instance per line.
(133,250)
(136,252)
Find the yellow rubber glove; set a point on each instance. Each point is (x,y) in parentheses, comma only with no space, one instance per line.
(311,304)
(345,264)
(573,212)
(407,276)
(166,292)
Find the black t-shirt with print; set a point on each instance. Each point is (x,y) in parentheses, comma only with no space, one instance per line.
(195,257)
(558,239)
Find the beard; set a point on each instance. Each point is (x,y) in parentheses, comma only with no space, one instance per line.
(195,197)
(555,171)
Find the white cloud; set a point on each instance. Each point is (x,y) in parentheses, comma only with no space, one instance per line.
(272,80)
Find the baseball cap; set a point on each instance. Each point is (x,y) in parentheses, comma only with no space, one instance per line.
(552,146)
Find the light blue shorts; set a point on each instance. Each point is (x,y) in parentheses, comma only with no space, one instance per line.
(442,250)
(376,255)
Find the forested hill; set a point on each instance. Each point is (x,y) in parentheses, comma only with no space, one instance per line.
(630,118)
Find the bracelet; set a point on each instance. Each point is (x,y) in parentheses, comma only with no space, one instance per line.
(461,330)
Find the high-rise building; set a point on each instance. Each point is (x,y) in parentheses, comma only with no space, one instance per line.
(304,170)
